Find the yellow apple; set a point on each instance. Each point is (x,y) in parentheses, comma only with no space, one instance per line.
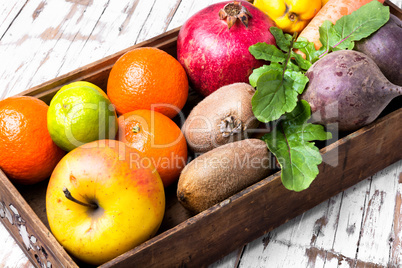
(103,199)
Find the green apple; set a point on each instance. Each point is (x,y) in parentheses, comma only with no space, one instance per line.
(104,199)
(79,113)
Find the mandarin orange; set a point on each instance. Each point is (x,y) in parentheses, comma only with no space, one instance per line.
(148,78)
(158,138)
(27,153)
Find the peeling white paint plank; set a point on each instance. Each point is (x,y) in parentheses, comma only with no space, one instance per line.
(228,261)
(135,18)
(77,31)
(328,234)
(295,257)
(333,263)
(273,254)
(324,231)
(8,12)
(157,22)
(186,9)
(396,239)
(10,253)
(257,253)
(379,216)
(350,219)
(313,227)
(38,33)
(117,28)
(50,38)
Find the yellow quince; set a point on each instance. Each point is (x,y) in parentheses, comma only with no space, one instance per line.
(289,15)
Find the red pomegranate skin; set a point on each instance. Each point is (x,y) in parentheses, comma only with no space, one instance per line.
(213,55)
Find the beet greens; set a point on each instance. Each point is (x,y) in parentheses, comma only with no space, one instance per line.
(279,84)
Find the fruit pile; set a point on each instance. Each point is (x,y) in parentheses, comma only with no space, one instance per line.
(109,156)
(110,153)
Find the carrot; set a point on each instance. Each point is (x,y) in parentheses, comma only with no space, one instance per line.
(332,11)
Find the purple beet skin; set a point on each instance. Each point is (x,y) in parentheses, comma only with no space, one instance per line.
(214,55)
(347,90)
(384,48)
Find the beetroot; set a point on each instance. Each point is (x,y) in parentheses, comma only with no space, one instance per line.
(384,48)
(213,45)
(347,90)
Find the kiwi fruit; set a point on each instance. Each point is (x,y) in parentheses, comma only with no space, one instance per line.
(221,172)
(222,117)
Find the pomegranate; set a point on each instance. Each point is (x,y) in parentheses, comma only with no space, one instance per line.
(213,44)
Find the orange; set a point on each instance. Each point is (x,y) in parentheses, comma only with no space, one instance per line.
(148,78)
(158,138)
(27,153)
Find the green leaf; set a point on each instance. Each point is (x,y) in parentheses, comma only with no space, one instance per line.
(289,37)
(281,40)
(348,44)
(293,66)
(277,93)
(291,143)
(264,51)
(309,50)
(361,23)
(300,114)
(301,62)
(297,79)
(348,29)
(280,83)
(328,36)
(259,71)
(300,44)
(268,100)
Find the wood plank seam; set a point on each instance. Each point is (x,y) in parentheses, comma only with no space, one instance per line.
(88,37)
(363,217)
(337,219)
(19,12)
(131,11)
(395,242)
(171,15)
(139,34)
(327,254)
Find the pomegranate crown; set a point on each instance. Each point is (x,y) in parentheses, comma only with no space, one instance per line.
(233,11)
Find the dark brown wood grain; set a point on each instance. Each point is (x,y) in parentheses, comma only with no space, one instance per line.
(185,240)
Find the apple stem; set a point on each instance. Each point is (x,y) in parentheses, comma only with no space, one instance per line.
(68,195)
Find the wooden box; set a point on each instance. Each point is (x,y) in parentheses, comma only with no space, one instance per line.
(185,240)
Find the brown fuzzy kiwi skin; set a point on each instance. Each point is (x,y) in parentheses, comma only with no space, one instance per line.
(218,174)
(208,124)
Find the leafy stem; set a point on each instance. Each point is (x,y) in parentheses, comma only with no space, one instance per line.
(289,53)
(329,48)
(279,84)
(287,143)
(349,29)
(291,141)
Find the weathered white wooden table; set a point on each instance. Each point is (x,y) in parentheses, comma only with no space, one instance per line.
(40,40)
